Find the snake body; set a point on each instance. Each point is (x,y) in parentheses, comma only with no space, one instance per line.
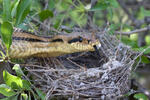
(25,45)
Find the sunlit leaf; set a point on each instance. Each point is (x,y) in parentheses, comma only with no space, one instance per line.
(6,90)
(15,82)
(134,37)
(18,70)
(141,96)
(25,96)
(147,39)
(6,33)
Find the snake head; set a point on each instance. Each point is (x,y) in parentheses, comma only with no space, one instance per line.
(78,42)
(84,44)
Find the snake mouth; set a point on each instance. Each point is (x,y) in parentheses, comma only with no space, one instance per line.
(97,47)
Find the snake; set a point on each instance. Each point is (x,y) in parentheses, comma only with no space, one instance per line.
(26,44)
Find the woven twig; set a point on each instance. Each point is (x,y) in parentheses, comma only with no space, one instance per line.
(108,80)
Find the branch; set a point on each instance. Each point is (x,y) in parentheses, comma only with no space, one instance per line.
(134,31)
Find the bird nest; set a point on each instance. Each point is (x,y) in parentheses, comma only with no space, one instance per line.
(102,75)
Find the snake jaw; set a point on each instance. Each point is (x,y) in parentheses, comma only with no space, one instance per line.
(96,44)
(82,47)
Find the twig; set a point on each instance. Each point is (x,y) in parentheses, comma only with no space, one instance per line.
(134,31)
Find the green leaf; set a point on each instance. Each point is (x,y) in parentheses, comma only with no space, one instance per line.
(69,1)
(26,85)
(6,90)
(22,10)
(126,40)
(104,4)
(79,18)
(57,24)
(18,70)
(6,33)
(145,60)
(11,98)
(141,96)
(145,49)
(112,28)
(40,94)
(14,8)
(29,96)
(99,6)
(7,10)
(25,96)
(110,14)
(143,12)
(51,4)
(147,39)
(15,82)
(45,14)
(114,3)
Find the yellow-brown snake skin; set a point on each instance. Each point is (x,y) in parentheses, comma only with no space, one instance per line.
(28,45)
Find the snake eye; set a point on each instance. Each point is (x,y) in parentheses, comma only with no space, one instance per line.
(80,39)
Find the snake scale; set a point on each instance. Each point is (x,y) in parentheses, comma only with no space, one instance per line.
(25,44)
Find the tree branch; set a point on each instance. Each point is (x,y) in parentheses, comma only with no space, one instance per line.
(134,31)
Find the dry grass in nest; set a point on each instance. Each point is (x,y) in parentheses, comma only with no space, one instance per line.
(87,75)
